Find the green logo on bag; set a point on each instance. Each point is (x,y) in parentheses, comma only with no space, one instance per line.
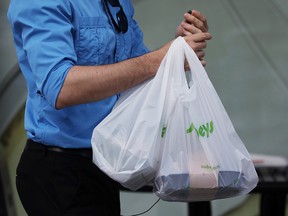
(163,131)
(203,130)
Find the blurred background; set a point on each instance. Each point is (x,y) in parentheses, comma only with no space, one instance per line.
(247,64)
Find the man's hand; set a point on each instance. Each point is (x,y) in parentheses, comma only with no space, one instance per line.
(192,23)
(194,29)
(198,42)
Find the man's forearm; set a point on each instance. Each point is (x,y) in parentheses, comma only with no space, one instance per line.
(84,84)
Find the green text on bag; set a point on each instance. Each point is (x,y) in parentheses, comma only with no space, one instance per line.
(163,131)
(203,130)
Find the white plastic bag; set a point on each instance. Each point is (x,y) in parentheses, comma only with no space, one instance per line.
(202,158)
(126,143)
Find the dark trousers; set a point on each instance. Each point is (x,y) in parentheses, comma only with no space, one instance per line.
(53,183)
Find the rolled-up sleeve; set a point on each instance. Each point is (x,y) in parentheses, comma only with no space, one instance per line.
(138,46)
(46,31)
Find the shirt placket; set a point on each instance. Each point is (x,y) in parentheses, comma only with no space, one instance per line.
(118,37)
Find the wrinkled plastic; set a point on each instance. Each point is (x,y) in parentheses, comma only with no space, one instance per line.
(203,158)
(126,144)
(176,134)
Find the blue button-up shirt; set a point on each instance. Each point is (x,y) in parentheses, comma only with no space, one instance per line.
(52,36)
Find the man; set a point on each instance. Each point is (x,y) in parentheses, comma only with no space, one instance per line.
(76,57)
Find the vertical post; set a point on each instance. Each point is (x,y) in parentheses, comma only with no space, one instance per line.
(7,207)
(3,207)
(273,203)
(199,208)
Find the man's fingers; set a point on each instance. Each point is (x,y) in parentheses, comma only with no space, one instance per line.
(187,67)
(197,19)
(200,54)
(198,37)
(203,62)
(189,29)
(201,17)
(198,42)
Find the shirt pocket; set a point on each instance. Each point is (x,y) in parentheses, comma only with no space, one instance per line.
(96,42)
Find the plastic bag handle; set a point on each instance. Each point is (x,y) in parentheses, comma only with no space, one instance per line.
(194,62)
(177,52)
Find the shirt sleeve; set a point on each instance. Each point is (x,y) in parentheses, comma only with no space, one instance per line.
(139,48)
(46,32)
